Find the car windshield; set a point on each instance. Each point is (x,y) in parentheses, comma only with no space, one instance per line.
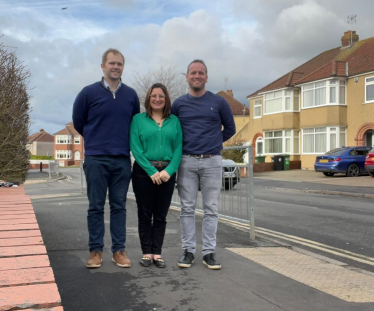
(336,152)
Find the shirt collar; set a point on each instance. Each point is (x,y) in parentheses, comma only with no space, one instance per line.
(107,85)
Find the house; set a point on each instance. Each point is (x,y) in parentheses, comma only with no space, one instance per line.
(240,112)
(69,147)
(323,104)
(41,143)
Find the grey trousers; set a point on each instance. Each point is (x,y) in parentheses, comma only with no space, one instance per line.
(208,173)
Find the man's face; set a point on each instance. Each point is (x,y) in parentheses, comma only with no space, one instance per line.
(113,67)
(196,76)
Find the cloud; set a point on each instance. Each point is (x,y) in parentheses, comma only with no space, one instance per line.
(246,44)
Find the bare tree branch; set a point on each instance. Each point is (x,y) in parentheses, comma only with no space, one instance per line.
(165,74)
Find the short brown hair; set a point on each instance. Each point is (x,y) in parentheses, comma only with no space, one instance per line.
(114,51)
(197,61)
(147,103)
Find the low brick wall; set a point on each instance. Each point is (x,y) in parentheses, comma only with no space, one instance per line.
(36,166)
(263,167)
(295,165)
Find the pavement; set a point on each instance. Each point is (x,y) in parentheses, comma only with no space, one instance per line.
(258,275)
(27,280)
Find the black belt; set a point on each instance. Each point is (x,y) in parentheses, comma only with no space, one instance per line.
(159,163)
(201,156)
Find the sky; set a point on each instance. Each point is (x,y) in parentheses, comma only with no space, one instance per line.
(246,44)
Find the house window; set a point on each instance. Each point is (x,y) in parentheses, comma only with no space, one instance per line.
(324,93)
(63,154)
(281,101)
(259,146)
(369,90)
(286,141)
(257,108)
(77,139)
(322,139)
(63,139)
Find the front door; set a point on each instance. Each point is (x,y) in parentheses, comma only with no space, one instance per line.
(369,138)
(77,155)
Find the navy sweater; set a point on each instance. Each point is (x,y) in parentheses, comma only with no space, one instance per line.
(202,119)
(104,119)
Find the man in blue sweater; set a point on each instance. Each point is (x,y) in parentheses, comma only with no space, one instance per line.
(202,115)
(102,114)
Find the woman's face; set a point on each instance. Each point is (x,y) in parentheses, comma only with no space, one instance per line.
(157,99)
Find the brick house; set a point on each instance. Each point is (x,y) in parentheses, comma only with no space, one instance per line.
(68,146)
(240,112)
(325,103)
(41,143)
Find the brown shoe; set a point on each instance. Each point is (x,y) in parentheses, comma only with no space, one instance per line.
(121,260)
(95,260)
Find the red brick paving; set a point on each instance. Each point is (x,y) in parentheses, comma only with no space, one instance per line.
(27,280)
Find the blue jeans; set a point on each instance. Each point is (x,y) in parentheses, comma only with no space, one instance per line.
(112,174)
(208,173)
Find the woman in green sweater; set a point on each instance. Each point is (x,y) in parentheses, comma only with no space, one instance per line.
(156,144)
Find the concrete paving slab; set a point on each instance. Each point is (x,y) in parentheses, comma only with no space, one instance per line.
(16,251)
(24,262)
(30,296)
(19,234)
(26,277)
(21,241)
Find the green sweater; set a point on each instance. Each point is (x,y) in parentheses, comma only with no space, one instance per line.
(149,142)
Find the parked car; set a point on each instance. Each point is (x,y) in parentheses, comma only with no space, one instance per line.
(369,162)
(345,160)
(230,175)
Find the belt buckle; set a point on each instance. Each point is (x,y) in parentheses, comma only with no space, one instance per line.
(159,163)
(199,156)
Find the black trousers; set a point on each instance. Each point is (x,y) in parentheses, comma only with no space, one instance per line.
(153,205)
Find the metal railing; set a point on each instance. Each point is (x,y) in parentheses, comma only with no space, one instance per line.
(236,198)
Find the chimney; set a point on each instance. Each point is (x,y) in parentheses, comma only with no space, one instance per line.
(41,130)
(348,38)
(229,92)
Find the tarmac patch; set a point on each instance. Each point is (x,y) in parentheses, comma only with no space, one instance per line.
(348,285)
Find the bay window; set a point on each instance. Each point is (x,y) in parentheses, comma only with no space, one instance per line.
(63,139)
(63,154)
(323,93)
(283,141)
(322,139)
(281,101)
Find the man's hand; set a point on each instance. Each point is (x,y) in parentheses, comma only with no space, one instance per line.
(156,178)
(164,176)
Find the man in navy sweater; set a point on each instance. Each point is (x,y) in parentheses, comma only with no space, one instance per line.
(102,114)
(202,115)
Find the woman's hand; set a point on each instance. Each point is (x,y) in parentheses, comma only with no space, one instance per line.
(164,176)
(156,178)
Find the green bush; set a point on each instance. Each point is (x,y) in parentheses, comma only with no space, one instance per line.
(40,157)
(234,154)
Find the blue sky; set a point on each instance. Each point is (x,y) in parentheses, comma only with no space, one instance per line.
(245,43)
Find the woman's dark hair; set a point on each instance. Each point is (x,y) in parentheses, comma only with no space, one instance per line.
(147,103)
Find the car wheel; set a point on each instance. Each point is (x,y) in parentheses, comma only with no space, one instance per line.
(371,174)
(353,170)
(328,174)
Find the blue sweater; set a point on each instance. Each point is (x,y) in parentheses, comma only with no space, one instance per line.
(202,119)
(103,119)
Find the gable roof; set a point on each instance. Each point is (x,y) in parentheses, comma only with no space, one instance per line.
(41,136)
(236,106)
(68,130)
(359,58)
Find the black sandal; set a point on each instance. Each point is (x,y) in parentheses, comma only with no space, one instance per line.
(145,261)
(159,262)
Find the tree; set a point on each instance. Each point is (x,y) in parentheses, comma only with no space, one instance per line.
(165,74)
(14,116)
(234,154)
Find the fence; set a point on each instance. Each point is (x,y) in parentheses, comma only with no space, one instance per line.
(236,199)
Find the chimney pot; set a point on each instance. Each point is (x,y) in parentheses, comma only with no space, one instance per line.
(348,38)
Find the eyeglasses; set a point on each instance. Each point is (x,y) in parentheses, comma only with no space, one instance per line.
(154,96)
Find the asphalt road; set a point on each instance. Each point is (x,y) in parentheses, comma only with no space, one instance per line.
(341,224)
